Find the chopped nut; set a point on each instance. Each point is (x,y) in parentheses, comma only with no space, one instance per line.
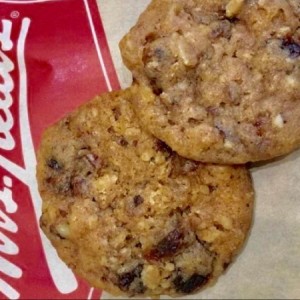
(153,64)
(187,53)
(83,151)
(63,230)
(210,235)
(204,189)
(165,284)
(159,158)
(125,251)
(170,267)
(228,144)
(92,221)
(152,197)
(234,7)
(225,222)
(105,182)
(132,132)
(291,81)
(146,156)
(285,30)
(278,121)
(94,112)
(151,276)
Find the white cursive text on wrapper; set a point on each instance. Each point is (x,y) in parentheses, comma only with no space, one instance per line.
(6,66)
(7,142)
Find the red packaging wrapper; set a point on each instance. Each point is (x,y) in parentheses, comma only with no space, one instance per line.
(55,55)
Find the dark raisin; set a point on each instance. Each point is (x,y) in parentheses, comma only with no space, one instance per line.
(159,53)
(50,180)
(128,238)
(292,47)
(157,90)
(194,121)
(151,37)
(79,186)
(259,127)
(212,188)
(111,130)
(53,164)
(258,123)
(163,147)
(212,110)
(63,186)
(117,113)
(167,247)
(233,20)
(219,226)
(138,245)
(191,284)
(222,29)
(122,142)
(182,166)
(138,200)
(127,278)
(221,132)
(63,213)
(139,288)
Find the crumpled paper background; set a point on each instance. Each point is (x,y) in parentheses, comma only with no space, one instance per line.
(269,265)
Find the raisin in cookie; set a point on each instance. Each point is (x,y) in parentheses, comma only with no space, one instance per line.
(128,214)
(223,77)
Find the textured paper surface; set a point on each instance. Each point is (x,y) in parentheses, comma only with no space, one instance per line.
(269,265)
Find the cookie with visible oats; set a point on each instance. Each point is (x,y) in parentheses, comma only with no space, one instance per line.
(222,77)
(128,214)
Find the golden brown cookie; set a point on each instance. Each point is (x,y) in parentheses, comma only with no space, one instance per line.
(224,77)
(128,214)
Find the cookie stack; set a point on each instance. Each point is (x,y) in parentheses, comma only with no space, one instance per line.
(145,192)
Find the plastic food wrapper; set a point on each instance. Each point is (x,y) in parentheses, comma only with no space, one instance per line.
(57,54)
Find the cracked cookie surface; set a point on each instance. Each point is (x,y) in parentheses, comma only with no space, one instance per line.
(128,214)
(223,77)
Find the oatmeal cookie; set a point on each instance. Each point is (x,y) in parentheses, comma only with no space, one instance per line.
(223,77)
(128,214)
